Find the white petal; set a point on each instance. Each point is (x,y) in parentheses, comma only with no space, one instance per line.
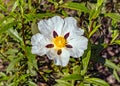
(62,59)
(46,27)
(79,44)
(51,54)
(38,42)
(71,26)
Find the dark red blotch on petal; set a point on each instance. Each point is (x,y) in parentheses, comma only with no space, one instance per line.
(66,35)
(50,46)
(55,34)
(69,46)
(59,52)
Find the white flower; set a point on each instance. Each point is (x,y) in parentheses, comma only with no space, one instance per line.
(59,39)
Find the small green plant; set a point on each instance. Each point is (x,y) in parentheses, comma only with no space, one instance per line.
(19,22)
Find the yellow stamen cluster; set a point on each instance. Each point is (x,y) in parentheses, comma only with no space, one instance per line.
(59,42)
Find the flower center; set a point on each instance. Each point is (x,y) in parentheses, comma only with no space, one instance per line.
(59,42)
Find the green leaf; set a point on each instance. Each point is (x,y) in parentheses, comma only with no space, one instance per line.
(62,83)
(97,81)
(76,6)
(32,16)
(115,34)
(9,23)
(1,16)
(15,5)
(15,35)
(76,69)
(99,3)
(43,15)
(3,76)
(31,83)
(85,60)
(31,57)
(2,8)
(72,77)
(82,84)
(12,64)
(117,42)
(34,28)
(110,64)
(116,75)
(32,63)
(94,30)
(114,16)
(94,13)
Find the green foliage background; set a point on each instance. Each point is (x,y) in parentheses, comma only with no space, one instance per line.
(18,22)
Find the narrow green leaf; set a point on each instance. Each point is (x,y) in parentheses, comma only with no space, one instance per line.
(15,5)
(82,84)
(40,16)
(29,4)
(34,28)
(12,64)
(2,8)
(115,34)
(116,75)
(114,16)
(76,6)
(32,83)
(99,3)
(76,69)
(15,35)
(97,81)
(7,25)
(31,58)
(110,64)
(72,77)
(1,16)
(117,42)
(32,16)
(85,60)
(94,30)
(62,83)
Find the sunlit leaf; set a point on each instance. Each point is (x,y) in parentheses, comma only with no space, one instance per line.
(115,34)
(32,83)
(99,3)
(34,28)
(116,75)
(110,64)
(15,35)
(76,6)
(12,64)
(7,24)
(114,16)
(2,8)
(94,30)
(62,83)
(85,60)
(72,77)
(15,5)
(97,81)
(32,63)
(117,42)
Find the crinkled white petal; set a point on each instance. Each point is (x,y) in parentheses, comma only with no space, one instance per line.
(79,44)
(62,59)
(70,25)
(46,27)
(39,42)
(52,53)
